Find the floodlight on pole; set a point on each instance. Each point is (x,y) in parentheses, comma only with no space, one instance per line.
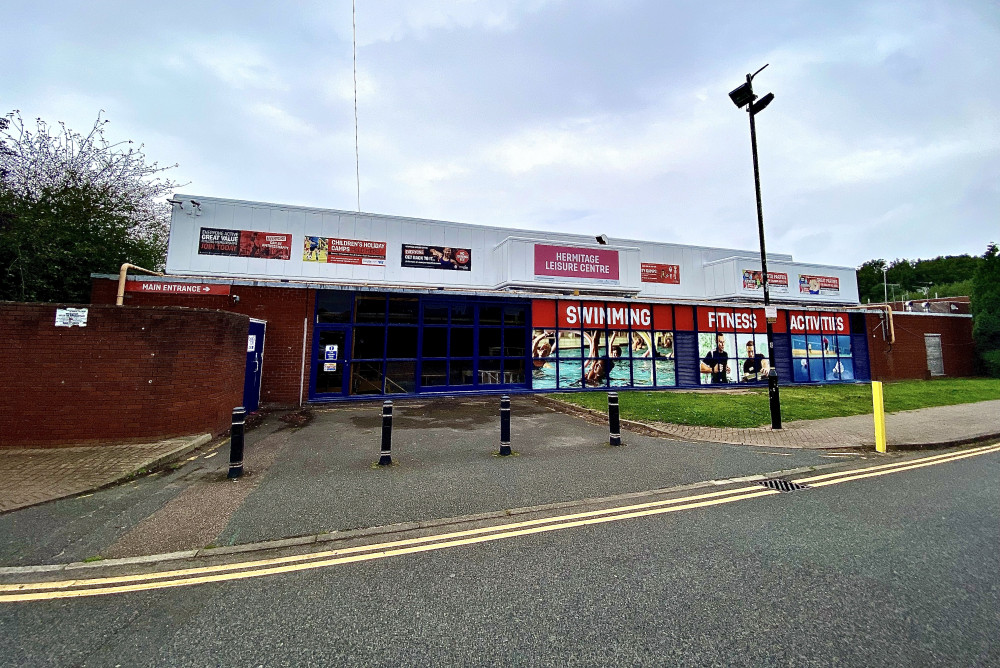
(743,96)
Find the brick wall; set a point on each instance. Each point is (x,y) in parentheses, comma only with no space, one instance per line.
(907,358)
(286,310)
(131,374)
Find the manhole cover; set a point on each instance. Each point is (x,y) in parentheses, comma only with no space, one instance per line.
(782,485)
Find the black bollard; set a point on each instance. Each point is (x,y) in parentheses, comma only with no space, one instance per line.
(504,425)
(616,433)
(773,399)
(236,443)
(385,456)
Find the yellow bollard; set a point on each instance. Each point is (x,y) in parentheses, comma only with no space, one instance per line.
(879,404)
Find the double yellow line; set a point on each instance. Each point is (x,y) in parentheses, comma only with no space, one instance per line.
(34,591)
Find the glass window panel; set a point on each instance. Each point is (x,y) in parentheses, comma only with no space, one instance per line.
(665,373)
(401,342)
(816,370)
(664,345)
(370,308)
(403,311)
(514,315)
(366,378)
(369,343)
(400,377)
(799,345)
(462,314)
(513,341)
(490,315)
(330,377)
(513,371)
(752,361)
(717,364)
(833,368)
(642,372)
(490,372)
(543,374)
(620,373)
(435,314)
(800,369)
(829,342)
(570,374)
(489,342)
(435,342)
(570,344)
(846,368)
(619,346)
(434,373)
(641,344)
(843,346)
(461,372)
(333,306)
(814,343)
(461,342)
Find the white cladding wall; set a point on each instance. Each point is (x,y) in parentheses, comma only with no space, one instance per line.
(790,281)
(499,256)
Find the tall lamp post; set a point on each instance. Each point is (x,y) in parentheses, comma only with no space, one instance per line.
(743,96)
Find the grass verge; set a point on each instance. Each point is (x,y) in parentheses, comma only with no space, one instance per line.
(749,408)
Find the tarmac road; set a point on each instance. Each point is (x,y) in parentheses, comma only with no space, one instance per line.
(899,569)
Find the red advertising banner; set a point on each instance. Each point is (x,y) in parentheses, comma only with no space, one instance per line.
(245,243)
(819,285)
(754,280)
(344,251)
(593,263)
(176,288)
(800,322)
(731,320)
(660,273)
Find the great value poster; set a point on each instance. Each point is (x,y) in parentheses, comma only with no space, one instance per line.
(245,243)
(819,285)
(436,257)
(344,251)
(754,280)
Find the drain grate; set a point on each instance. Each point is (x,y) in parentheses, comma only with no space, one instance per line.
(782,485)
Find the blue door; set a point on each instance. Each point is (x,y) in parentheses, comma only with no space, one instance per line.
(255,365)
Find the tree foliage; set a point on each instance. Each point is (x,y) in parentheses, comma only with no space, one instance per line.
(72,205)
(985,303)
(948,276)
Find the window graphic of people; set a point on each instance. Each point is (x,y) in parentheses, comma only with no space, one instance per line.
(597,368)
(716,362)
(756,366)
(542,346)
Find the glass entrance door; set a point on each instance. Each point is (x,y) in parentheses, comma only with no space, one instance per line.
(329,363)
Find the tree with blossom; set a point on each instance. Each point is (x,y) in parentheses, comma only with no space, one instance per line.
(72,205)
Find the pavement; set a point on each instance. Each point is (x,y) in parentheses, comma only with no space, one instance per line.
(312,473)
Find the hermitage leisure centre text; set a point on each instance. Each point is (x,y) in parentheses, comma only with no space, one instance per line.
(578,262)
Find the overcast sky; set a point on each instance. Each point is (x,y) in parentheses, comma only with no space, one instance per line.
(594,117)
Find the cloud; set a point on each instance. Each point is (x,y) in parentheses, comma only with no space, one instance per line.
(238,64)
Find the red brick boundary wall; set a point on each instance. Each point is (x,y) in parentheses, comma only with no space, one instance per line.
(289,316)
(131,374)
(907,358)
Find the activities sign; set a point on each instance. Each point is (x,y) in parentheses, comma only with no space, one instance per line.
(436,257)
(592,263)
(344,251)
(819,285)
(660,273)
(245,243)
(754,280)
(801,322)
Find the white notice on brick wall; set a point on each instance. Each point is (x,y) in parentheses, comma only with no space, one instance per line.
(71,317)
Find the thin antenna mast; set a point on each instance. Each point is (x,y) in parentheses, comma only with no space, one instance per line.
(357,160)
